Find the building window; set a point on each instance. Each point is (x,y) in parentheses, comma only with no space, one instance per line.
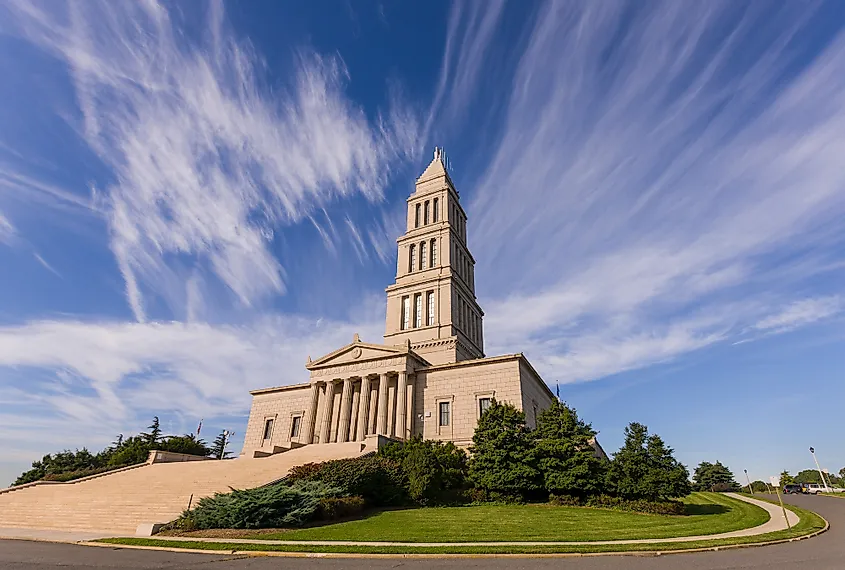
(417,216)
(418,310)
(268,428)
(406,312)
(426,216)
(434,211)
(413,259)
(443,419)
(295,425)
(483,405)
(422,255)
(433,253)
(430,308)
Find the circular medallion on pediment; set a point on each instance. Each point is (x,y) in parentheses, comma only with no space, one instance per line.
(356,353)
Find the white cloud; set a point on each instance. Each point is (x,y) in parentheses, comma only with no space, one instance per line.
(207,160)
(7,230)
(656,164)
(801,313)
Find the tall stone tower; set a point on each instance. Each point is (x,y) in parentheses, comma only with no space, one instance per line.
(432,303)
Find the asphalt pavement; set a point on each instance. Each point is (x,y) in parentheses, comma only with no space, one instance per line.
(825,552)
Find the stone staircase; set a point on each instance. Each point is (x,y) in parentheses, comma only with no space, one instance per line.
(121,500)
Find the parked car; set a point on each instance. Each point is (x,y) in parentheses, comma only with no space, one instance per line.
(792,489)
(815,488)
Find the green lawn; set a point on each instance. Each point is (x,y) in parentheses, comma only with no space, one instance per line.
(810,522)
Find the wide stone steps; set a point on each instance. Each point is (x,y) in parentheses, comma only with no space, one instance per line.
(154,493)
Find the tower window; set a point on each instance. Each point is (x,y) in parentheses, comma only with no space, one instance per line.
(433,253)
(418,310)
(417,216)
(443,420)
(483,405)
(430,295)
(412,263)
(422,255)
(425,215)
(406,312)
(434,211)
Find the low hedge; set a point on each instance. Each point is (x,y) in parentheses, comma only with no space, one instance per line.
(379,480)
(620,504)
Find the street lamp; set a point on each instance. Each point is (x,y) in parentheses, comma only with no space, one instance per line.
(747,478)
(824,481)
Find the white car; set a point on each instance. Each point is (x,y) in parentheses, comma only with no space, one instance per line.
(816,488)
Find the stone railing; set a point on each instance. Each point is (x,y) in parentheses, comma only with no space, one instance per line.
(171,457)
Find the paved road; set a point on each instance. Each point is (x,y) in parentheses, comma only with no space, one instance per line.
(826,552)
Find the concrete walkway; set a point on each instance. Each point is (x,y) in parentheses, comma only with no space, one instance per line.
(774,524)
(50,535)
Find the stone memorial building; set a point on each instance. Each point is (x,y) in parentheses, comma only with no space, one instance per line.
(430,376)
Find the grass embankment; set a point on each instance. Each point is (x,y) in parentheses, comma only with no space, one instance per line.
(810,523)
(837,495)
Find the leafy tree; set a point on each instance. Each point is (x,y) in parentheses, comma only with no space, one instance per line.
(714,477)
(565,455)
(502,463)
(117,443)
(188,444)
(153,436)
(808,476)
(134,450)
(436,471)
(842,473)
(644,468)
(758,487)
(218,448)
(786,479)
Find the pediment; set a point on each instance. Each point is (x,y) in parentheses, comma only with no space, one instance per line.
(356,352)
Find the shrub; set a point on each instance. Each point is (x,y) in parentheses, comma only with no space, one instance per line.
(273,506)
(379,480)
(331,508)
(435,471)
(564,500)
(636,505)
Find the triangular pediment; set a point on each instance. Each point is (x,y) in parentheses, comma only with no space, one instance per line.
(356,352)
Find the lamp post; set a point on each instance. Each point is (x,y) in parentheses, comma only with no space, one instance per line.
(824,481)
(747,478)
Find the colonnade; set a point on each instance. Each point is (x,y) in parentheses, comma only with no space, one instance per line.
(355,421)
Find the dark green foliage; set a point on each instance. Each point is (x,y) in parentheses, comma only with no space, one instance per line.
(809,476)
(644,468)
(379,480)
(786,478)
(52,465)
(218,448)
(714,477)
(154,435)
(564,453)
(188,444)
(502,465)
(275,506)
(333,508)
(620,504)
(758,487)
(435,471)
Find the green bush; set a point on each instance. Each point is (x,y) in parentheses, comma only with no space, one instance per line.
(275,506)
(332,508)
(565,500)
(379,480)
(435,471)
(637,505)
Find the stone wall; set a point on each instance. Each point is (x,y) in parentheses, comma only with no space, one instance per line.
(281,405)
(536,395)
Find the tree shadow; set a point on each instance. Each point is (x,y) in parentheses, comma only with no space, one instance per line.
(709,509)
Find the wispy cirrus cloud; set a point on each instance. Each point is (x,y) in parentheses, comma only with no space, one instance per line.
(801,313)
(659,162)
(207,160)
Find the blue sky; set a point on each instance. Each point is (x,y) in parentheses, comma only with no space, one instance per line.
(196,196)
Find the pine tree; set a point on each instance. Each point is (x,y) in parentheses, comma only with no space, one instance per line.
(502,462)
(565,455)
(644,468)
(714,477)
(218,448)
(153,436)
(118,443)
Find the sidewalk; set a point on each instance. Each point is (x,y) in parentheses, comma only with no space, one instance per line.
(49,535)
(774,524)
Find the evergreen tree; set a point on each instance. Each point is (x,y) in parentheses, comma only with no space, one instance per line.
(153,436)
(117,443)
(218,448)
(714,477)
(565,455)
(188,444)
(644,468)
(786,479)
(502,462)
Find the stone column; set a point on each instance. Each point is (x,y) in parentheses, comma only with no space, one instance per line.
(401,400)
(353,419)
(311,415)
(345,411)
(412,416)
(363,410)
(325,429)
(382,405)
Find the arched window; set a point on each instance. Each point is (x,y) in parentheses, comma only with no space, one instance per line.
(434,211)
(412,260)
(417,216)
(433,253)
(422,255)
(426,214)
